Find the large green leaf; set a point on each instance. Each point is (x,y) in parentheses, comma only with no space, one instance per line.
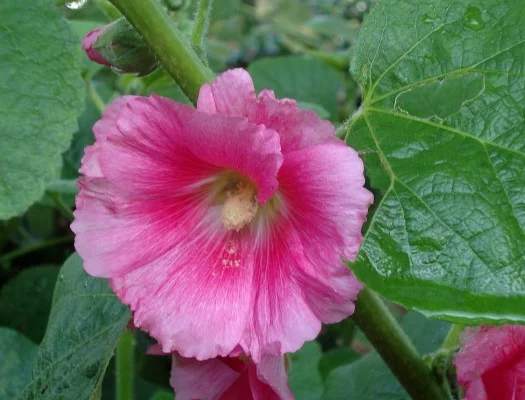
(302,79)
(370,379)
(85,324)
(442,134)
(26,301)
(17,355)
(40,98)
(304,376)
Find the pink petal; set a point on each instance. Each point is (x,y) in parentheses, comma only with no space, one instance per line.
(103,128)
(195,298)
(117,232)
(299,279)
(230,379)
(323,190)
(289,303)
(155,350)
(269,379)
(491,363)
(167,137)
(231,93)
(297,128)
(203,380)
(87,45)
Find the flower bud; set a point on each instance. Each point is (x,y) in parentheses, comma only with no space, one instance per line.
(119,46)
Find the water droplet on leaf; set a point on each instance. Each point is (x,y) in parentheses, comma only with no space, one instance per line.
(473,18)
(76,5)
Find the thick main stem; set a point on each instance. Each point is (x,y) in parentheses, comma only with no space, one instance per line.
(124,363)
(392,344)
(182,63)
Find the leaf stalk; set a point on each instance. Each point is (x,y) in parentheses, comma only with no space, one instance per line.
(125,366)
(176,55)
(377,323)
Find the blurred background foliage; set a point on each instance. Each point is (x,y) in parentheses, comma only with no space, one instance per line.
(300,49)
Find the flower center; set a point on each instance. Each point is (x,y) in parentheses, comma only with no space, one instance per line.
(240,206)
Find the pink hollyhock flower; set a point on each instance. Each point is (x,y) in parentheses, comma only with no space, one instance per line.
(222,227)
(491,363)
(88,43)
(227,378)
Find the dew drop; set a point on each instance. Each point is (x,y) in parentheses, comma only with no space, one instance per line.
(361,6)
(76,5)
(472,18)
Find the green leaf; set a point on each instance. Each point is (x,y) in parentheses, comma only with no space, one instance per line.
(41,97)
(85,324)
(320,111)
(26,301)
(335,358)
(18,354)
(302,79)
(304,377)
(370,379)
(162,395)
(442,134)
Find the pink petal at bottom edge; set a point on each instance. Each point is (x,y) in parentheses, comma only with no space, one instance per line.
(218,379)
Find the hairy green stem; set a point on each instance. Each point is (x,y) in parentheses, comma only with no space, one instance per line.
(200,24)
(176,55)
(125,371)
(39,246)
(95,97)
(452,339)
(108,9)
(61,206)
(377,323)
(64,186)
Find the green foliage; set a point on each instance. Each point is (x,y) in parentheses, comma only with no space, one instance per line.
(335,358)
(18,354)
(162,395)
(441,132)
(84,327)
(370,379)
(41,97)
(440,129)
(307,80)
(304,376)
(26,301)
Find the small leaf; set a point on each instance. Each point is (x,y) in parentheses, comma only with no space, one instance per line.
(302,79)
(85,324)
(442,135)
(26,301)
(370,379)
(41,96)
(16,361)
